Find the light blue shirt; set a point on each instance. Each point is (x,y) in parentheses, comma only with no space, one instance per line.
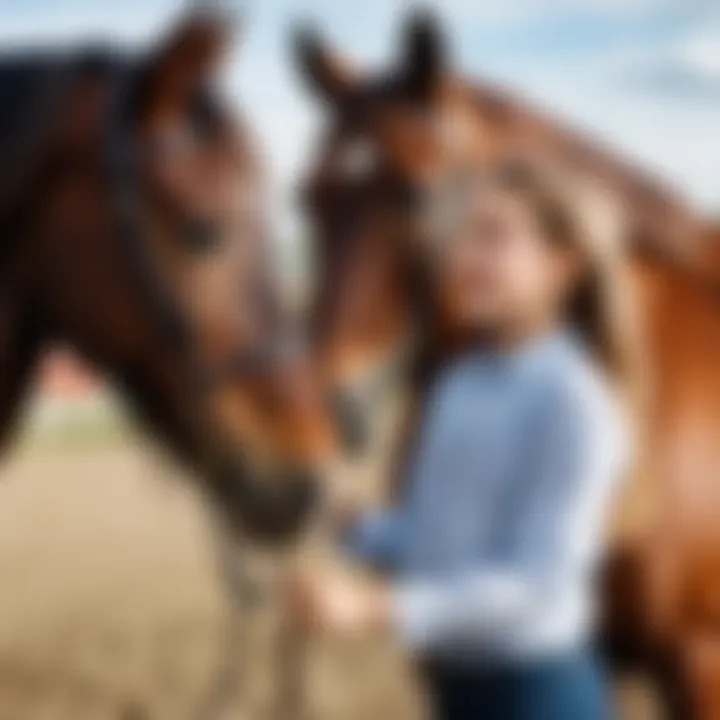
(498,540)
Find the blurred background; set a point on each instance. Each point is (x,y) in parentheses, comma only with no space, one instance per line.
(110,607)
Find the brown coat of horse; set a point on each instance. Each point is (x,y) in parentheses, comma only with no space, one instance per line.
(390,140)
(132,229)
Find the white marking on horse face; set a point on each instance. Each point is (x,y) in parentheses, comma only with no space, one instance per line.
(358,159)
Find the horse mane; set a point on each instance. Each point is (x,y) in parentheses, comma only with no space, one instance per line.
(33,87)
(30,90)
(660,221)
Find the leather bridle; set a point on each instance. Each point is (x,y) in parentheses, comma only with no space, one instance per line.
(122,156)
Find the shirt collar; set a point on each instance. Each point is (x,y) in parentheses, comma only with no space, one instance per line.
(532,353)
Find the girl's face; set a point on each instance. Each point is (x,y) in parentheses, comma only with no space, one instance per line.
(499,271)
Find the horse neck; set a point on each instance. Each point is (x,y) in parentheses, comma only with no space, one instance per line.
(712,241)
(67,281)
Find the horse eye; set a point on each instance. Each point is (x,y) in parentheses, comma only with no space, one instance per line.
(201,235)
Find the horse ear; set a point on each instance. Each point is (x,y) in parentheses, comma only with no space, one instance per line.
(325,71)
(186,59)
(425,55)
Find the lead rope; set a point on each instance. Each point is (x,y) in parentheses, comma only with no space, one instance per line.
(293,642)
(243,593)
(290,667)
(292,661)
(230,684)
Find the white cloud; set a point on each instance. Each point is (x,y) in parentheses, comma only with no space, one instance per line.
(699,52)
(510,14)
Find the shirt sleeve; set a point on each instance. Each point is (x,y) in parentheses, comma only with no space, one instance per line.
(554,525)
(375,539)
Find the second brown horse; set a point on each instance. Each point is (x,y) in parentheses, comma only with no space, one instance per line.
(391,140)
(132,229)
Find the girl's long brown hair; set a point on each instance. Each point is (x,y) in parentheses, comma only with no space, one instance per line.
(576,211)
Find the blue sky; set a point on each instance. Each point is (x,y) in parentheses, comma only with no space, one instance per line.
(642,74)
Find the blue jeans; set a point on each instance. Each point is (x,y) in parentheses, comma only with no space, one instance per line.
(571,687)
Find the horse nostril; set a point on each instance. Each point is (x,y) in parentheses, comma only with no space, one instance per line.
(303,492)
(201,235)
(351,420)
(271,509)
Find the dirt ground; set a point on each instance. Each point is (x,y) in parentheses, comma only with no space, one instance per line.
(110,608)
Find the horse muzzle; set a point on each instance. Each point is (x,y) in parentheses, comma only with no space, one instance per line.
(271,508)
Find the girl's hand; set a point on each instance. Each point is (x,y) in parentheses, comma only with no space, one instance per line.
(342,513)
(336,603)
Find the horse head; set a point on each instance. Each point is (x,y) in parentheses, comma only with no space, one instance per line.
(399,152)
(142,241)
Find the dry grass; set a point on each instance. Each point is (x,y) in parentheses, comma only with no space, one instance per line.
(110,609)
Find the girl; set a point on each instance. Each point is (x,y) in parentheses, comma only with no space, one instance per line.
(520,445)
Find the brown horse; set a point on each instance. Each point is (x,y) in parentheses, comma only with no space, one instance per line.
(393,142)
(132,229)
